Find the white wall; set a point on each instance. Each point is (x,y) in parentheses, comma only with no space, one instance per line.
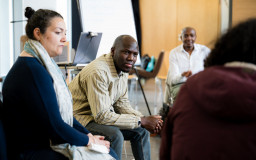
(5,30)
(18,29)
(10,33)
(61,6)
(111,17)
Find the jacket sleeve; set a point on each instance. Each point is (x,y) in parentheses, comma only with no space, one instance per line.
(101,103)
(166,138)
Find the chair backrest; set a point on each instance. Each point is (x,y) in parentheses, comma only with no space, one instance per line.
(144,74)
(158,63)
(3,153)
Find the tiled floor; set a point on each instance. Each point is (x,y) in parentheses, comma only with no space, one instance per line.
(152,96)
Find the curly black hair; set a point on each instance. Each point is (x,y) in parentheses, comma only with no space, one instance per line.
(238,44)
(38,19)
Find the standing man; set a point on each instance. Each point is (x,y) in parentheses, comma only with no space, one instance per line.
(185,60)
(100,98)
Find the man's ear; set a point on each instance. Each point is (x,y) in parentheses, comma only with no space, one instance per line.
(112,51)
(37,33)
(180,37)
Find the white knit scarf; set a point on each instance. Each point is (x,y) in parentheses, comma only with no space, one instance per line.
(63,94)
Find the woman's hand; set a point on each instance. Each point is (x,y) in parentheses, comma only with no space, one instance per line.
(98,140)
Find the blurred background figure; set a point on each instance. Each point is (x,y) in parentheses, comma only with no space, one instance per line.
(185,60)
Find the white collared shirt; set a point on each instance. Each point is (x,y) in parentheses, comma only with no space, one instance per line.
(180,61)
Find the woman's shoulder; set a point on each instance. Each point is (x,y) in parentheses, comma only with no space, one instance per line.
(29,66)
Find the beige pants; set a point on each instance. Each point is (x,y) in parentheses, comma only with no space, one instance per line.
(171,92)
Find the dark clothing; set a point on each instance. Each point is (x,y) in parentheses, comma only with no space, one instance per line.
(42,154)
(3,155)
(213,118)
(31,111)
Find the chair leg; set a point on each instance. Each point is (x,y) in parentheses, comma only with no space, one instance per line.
(135,95)
(124,147)
(133,92)
(142,90)
(161,90)
(155,98)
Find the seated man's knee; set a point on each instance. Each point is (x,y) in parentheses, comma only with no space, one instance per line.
(141,133)
(146,132)
(116,135)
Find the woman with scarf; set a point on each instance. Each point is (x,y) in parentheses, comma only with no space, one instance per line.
(38,112)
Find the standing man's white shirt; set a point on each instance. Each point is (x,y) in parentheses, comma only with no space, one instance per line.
(181,61)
